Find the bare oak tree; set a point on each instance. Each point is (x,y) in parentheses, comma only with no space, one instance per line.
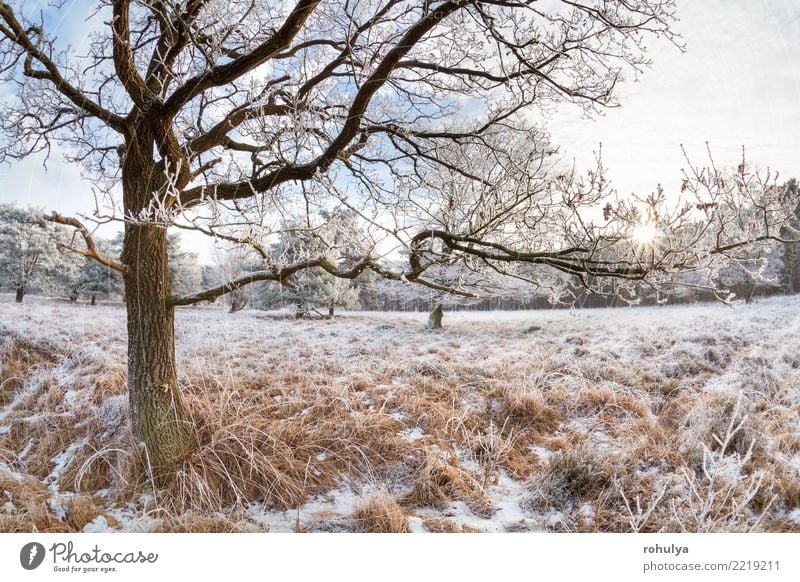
(236,118)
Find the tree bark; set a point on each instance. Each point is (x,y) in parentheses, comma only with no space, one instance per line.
(159,419)
(331,309)
(20,294)
(94,300)
(435,317)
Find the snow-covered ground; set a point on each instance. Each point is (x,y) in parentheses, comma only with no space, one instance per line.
(638,419)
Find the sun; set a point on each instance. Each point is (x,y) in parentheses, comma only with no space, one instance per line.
(644,234)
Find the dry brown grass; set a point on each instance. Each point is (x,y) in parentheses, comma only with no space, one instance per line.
(380,513)
(441,481)
(282,452)
(289,412)
(436,524)
(31,502)
(528,406)
(18,359)
(197,522)
(80,510)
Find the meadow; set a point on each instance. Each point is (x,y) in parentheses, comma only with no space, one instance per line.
(671,419)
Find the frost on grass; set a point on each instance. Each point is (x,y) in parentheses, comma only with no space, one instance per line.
(647,419)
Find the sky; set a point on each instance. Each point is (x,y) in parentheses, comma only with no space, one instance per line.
(737,84)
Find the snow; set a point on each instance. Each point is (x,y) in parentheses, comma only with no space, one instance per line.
(647,354)
(340,502)
(98,525)
(413,434)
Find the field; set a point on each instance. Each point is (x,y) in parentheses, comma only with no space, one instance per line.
(635,419)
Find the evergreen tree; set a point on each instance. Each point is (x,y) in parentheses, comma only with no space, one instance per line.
(30,258)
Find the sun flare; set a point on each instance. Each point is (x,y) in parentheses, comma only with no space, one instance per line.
(644,234)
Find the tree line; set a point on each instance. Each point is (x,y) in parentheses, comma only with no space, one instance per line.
(37,257)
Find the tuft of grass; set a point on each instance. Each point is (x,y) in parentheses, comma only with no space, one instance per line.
(197,522)
(80,510)
(380,513)
(571,477)
(436,524)
(441,482)
(527,405)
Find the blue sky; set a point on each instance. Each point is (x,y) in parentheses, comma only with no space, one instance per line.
(738,83)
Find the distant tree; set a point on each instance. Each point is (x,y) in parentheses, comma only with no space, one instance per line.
(791,252)
(230,263)
(185,271)
(340,239)
(765,268)
(96,279)
(30,258)
(312,291)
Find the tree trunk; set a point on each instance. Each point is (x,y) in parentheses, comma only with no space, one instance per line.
(94,299)
(20,293)
(751,290)
(435,317)
(331,307)
(159,419)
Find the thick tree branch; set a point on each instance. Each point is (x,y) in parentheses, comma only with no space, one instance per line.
(175,37)
(283,276)
(575,260)
(217,135)
(228,72)
(21,38)
(349,130)
(91,249)
(124,62)
(279,275)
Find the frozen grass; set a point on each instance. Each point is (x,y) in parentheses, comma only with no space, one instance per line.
(647,419)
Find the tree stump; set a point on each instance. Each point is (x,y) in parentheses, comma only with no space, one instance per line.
(435,317)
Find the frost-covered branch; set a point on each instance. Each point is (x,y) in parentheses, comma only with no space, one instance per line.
(91,251)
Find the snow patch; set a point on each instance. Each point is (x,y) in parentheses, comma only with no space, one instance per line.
(98,525)
(415,525)
(413,434)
